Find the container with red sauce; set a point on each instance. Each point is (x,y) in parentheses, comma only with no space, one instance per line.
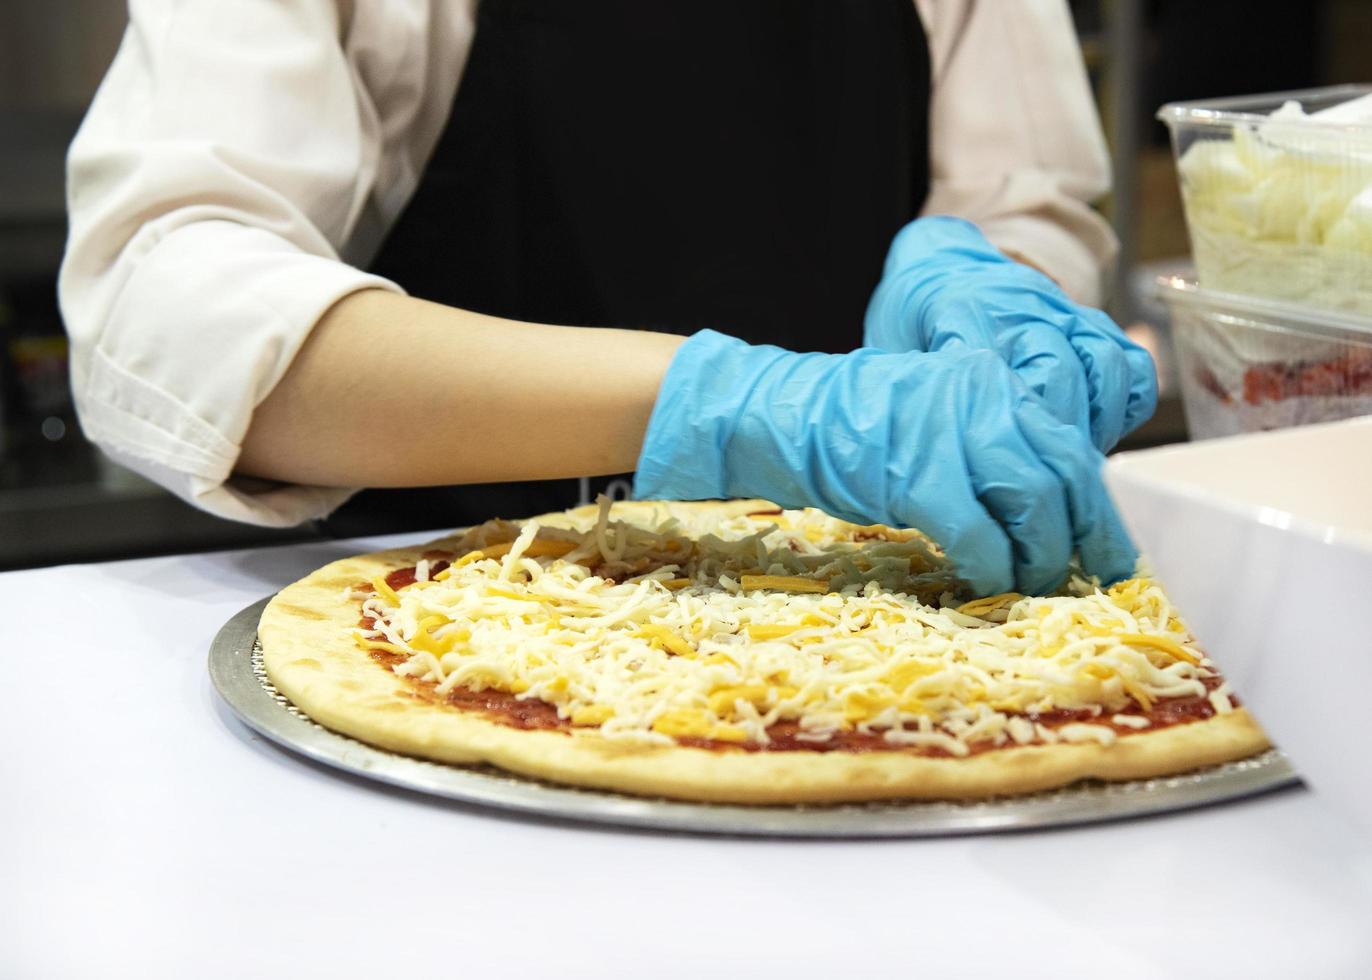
(1250,364)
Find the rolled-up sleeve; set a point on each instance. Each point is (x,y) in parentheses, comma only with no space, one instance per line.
(225,160)
(1015,142)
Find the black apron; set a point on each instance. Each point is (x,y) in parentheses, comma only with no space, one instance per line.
(663,165)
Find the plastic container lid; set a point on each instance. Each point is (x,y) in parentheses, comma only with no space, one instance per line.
(1318,322)
(1256,108)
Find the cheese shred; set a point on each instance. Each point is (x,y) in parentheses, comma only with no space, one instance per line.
(656,630)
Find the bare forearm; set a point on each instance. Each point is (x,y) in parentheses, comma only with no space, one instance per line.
(394,391)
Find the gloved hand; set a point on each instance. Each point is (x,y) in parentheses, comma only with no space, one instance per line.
(949,442)
(945,287)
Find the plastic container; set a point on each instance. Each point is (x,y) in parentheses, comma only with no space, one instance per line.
(1278,193)
(1249,364)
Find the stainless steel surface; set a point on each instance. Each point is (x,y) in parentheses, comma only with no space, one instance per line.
(236,669)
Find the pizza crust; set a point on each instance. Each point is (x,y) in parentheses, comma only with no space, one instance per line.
(309,655)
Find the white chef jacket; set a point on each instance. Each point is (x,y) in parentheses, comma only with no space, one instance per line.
(243,159)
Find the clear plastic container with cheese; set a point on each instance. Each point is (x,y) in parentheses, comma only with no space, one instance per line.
(1249,364)
(1278,194)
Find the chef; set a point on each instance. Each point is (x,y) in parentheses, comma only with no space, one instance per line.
(828,253)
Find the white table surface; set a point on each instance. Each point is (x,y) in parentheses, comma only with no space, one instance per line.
(144,832)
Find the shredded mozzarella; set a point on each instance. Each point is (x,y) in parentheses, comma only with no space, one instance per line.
(677,647)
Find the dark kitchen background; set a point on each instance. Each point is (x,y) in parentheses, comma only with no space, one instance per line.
(61,501)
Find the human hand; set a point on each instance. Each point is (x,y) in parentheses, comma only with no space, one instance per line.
(945,287)
(950,442)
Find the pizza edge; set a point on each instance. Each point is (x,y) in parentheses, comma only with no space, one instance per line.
(310,657)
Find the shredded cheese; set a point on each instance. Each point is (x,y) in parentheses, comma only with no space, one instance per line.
(787,583)
(661,631)
(384,590)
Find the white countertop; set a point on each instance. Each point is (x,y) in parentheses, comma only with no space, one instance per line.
(144,832)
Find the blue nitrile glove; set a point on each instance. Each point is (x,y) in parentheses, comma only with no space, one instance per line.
(949,442)
(945,287)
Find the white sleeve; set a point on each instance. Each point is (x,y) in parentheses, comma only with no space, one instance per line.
(1015,142)
(226,159)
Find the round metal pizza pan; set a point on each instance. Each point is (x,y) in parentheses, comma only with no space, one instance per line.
(236,669)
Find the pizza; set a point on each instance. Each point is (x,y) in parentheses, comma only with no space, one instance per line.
(737,652)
